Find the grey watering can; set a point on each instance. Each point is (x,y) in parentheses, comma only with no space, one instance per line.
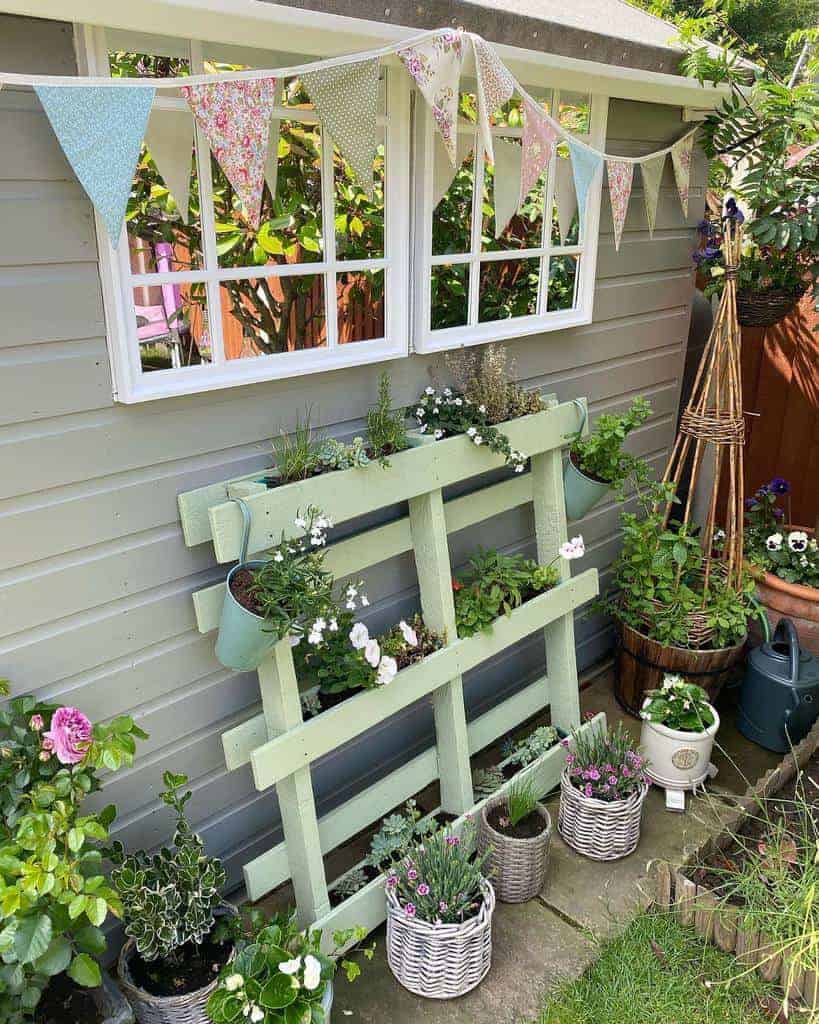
(779,701)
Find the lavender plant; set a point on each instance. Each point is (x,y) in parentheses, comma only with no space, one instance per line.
(604,763)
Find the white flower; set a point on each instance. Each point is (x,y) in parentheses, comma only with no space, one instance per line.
(472,432)
(774,542)
(365,601)
(798,540)
(447,392)
(419,413)
(372,652)
(300,522)
(477,439)
(387,671)
(436,410)
(481,408)
(438,435)
(314,638)
(312,972)
(291,967)
(294,640)
(257,1014)
(333,627)
(350,606)
(409,634)
(459,401)
(234,982)
(352,592)
(278,557)
(423,429)
(519,468)
(574,548)
(719,535)
(686,705)
(320,624)
(671,680)
(359,635)
(429,391)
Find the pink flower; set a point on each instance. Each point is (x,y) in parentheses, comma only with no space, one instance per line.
(612,780)
(587,789)
(452,841)
(412,874)
(36,723)
(423,889)
(70,734)
(570,759)
(392,881)
(443,906)
(409,910)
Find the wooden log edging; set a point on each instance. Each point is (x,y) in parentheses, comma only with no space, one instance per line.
(718,921)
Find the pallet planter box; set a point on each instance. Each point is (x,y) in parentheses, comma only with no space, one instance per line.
(281,747)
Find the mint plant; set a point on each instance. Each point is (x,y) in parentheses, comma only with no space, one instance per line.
(600,455)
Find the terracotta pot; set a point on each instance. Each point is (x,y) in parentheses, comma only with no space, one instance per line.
(641,663)
(677,759)
(783,600)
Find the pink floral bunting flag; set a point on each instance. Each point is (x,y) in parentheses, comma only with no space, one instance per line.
(436,67)
(235,117)
(621,176)
(800,154)
(681,159)
(495,87)
(539,137)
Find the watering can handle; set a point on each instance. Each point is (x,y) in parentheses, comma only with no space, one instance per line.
(785,626)
(584,413)
(245,527)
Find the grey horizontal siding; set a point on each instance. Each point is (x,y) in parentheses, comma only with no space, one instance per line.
(95,582)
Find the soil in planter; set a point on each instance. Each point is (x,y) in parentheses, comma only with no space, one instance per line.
(527,828)
(64,1002)
(193,967)
(241,586)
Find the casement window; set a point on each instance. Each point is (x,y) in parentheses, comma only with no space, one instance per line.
(476,288)
(323,284)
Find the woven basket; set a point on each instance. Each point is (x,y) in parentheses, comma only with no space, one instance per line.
(149,1009)
(599,829)
(763,309)
(517,867)
(440,961)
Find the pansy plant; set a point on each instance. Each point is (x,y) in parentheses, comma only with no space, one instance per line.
(792,555)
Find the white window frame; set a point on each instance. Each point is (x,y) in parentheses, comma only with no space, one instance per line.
(427,340)
(131,385)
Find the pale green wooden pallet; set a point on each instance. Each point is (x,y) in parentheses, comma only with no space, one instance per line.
(281,747)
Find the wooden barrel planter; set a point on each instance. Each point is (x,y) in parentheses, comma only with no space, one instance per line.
(783,600)
(641,663)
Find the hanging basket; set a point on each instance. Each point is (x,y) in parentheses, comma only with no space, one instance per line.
(599,829)
(764,309)
(440,961)
(517,867)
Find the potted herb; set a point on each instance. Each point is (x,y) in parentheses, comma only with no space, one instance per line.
(304,454)
(439,917)
(180,933)
(280,975)
(515,830)
(598,462)
(494,584)
(267,600)
(386,433)
(55,897)
(602,790)
(784,560)
(679,728)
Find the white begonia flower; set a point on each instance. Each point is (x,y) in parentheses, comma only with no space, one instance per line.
(278,557)
(234,982)
(256,1014)
(774,542)
(429,391)
(387,671)
(372,652)
(671,680)
(300,522)
(359,635)
(312,972)
(291,967)
(477,439)
(574,548)
(797,540)
(409,634)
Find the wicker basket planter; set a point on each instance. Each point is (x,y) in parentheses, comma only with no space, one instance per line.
(599,829)
(440,961)
(150,1009)
(517,867)
(763,309)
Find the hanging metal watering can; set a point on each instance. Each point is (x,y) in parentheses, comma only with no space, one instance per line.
(779,701)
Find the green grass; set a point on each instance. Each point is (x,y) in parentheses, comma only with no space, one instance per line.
(631,983)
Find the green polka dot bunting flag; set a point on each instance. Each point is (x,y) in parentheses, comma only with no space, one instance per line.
(346,100)
(652,171)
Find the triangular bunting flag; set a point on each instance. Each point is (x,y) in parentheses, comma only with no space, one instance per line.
(100,129)
(436,67)
(585,165)
(681,159)
(652,171)
(346,100)
(235,117)
(565,195)
(621,176)
(495,87)
(271,166)
(539,137)
(506,192)
(169,140)
(443,172)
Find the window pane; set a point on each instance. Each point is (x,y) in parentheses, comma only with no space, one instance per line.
(562,282)
(265,315)
(449,296)
(172,326)
(575,112)
(452,217)
(359,220)
(525,229)
(508,289)
(360,298)
(510,113)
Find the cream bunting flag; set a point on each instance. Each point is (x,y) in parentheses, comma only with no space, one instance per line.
(565,195)
(652,171)
(443,173)
(169,140)
(681,159)
(235,117)
(506,189)
(346,100)
(621,177)
(436,67)
(539,136)
(271,166)
(495,87)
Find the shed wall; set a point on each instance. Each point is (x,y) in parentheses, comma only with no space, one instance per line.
(95,581)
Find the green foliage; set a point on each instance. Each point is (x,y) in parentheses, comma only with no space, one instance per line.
(495,584)
(486,781)
(297,454)
(792,555)
(54,897)
(279,975)
(386,432)
(520,802)
(351,883)
(680,705)
(168,899)
(398,833)
(486,376)
(531,747)
(333,455)
(761,269)
(600,455)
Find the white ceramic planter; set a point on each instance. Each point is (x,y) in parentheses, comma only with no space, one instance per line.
(676,759)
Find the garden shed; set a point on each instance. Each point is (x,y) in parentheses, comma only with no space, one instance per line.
(134,374)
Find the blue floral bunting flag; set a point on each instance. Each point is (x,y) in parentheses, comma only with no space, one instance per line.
(100,129)
(585,165)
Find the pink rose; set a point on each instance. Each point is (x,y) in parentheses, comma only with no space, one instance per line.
(70,734)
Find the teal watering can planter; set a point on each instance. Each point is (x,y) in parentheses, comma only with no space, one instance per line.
(581,492)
